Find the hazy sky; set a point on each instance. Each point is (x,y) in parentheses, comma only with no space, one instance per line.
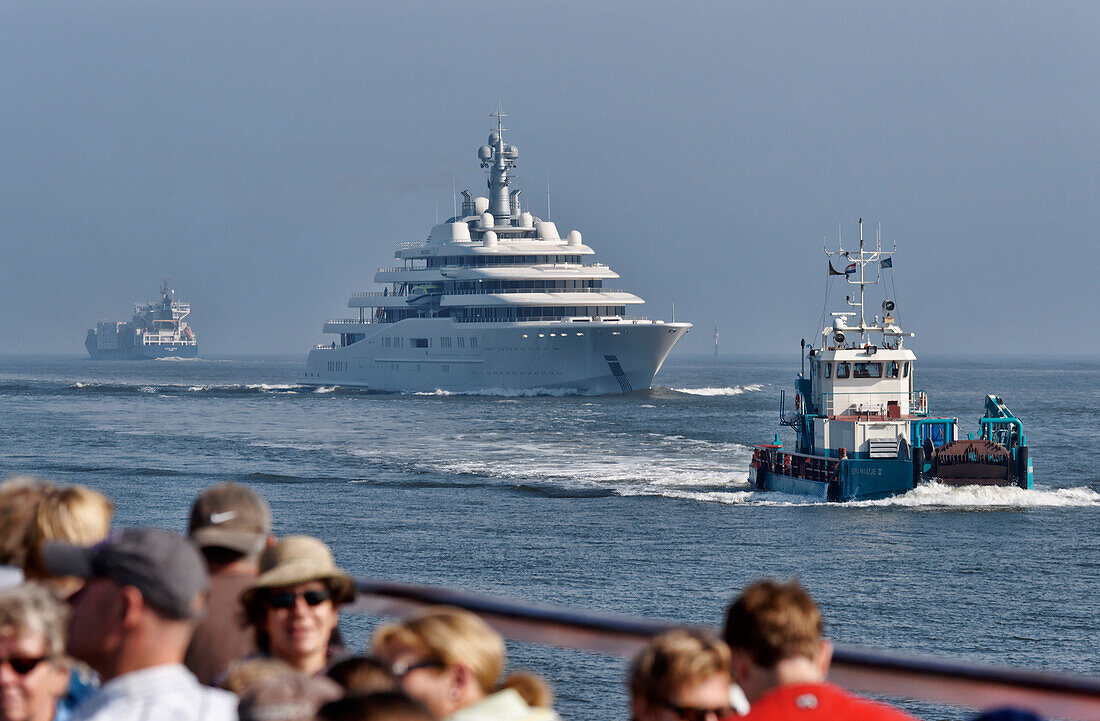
(266,156)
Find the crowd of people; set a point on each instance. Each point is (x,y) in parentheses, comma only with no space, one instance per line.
(232,623)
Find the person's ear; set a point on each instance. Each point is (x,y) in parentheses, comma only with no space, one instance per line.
(824,657)
(59,680)
(133,606)
(741,666)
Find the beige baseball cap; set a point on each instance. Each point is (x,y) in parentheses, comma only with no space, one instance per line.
(230,515)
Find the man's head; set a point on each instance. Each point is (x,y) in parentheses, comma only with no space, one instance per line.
(681,676)
(145,589)
(774,631)
(230,522)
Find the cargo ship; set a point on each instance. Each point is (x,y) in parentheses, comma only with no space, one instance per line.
(862,427)
(157,330)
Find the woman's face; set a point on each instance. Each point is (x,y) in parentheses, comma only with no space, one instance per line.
(28,694)
(299,621)
(424,680)
(705,700)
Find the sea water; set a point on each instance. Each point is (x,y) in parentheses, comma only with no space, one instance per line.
(635,504)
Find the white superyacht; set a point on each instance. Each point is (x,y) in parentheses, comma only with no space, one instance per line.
(494,300)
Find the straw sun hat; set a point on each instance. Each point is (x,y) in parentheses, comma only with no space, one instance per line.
(300,559)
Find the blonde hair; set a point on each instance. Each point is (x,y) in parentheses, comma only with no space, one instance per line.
(677,659)
(453,637)
(73,514)
(19,495)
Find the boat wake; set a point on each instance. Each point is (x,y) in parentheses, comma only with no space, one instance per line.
(926,496)
(939,495)
(506,392)
(725,391)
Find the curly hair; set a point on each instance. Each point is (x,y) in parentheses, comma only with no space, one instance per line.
(31,608)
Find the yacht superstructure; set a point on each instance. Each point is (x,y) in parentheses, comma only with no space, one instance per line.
(495,298)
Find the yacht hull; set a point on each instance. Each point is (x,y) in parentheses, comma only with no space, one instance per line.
(582,357)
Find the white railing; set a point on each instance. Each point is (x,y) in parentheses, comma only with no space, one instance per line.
(843,403)
(350,321)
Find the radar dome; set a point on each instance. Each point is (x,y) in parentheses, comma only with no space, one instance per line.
(490,239)
(485,152)
(526,220)
(487,220)
(493,138)
(511,152)
(481,205)
(575,238)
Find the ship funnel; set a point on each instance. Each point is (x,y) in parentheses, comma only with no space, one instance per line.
(467,204)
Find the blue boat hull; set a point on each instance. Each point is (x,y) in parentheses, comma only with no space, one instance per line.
(854,479)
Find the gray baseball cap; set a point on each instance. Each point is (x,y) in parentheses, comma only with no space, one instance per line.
(164,566)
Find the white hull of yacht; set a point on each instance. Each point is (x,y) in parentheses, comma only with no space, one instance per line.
(583,357)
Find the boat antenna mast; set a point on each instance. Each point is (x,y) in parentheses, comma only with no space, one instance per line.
(499,157)
(857,266)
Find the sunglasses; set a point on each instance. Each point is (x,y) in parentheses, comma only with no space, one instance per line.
(401,668)
(688,713)
(287,599)
(22,665)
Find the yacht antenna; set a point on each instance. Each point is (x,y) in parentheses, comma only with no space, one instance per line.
(454,194)
(499,157)
(548,215)
(716,339)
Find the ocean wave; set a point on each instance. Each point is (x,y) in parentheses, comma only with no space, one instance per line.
(724,391)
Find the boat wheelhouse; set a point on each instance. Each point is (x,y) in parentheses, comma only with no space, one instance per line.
(495,298)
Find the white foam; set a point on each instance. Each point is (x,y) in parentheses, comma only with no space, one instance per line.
(939,495)
(324,389)
(506,392)
(724,391)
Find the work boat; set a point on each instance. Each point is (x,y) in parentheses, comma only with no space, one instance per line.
(494,299)
(862,428)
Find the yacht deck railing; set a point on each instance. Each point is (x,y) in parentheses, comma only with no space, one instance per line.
(535,290)
(953,682)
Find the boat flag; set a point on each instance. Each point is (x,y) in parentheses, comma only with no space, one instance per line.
(834,271)
(887,262)
(850,270)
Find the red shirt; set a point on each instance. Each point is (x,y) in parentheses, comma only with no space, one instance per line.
(819,702)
